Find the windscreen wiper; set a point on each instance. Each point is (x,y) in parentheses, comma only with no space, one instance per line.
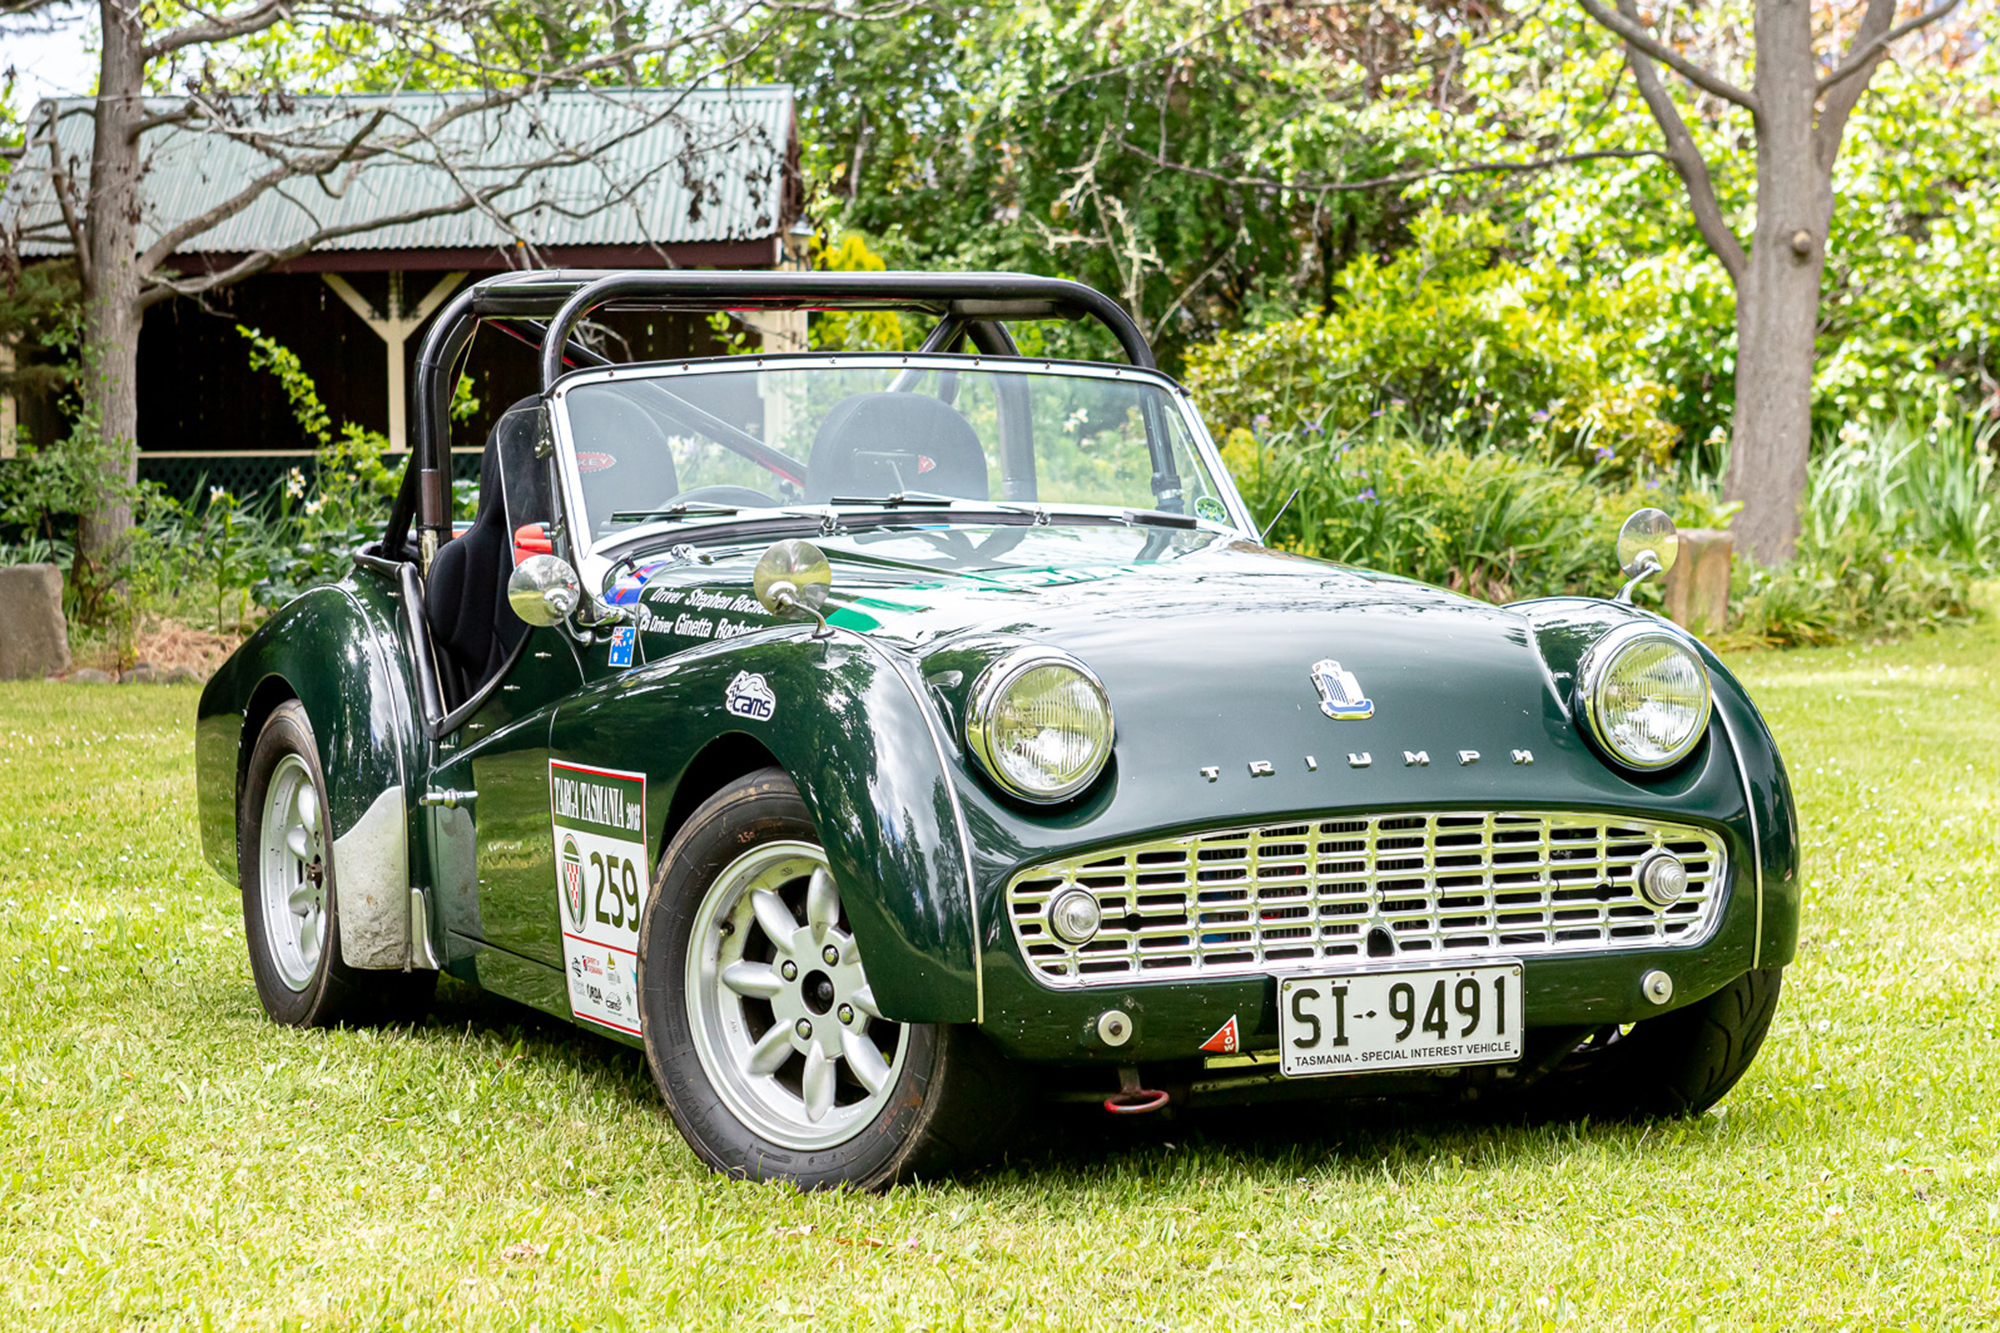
(1159,518)
(897,500)
(697,508)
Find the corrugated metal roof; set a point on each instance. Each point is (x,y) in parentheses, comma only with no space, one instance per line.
(576,167)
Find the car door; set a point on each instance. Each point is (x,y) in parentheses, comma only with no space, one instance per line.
(492,859)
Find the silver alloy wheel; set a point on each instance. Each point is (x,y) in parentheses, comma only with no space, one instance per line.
(291,873)
(784,1022)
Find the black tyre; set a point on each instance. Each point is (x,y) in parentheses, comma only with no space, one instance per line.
(1678,1064)
(285,869)
(760,1026)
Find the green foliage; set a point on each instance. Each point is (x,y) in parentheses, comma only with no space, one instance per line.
(1487,522)
(1466,344)
(1898,524)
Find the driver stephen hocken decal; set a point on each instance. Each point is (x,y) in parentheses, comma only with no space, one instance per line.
(599,817)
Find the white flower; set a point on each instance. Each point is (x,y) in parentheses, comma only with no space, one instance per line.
(295,483)
(216,493)
(1852,433)
(313,506)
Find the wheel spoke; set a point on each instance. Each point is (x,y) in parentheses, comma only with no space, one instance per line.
(755,980)
(308,808)
(297,843)
(777,920)
(818,1085)
(822,903)
(303,897)
(309,937)
(864,999)
(867,1064)
(771,1052)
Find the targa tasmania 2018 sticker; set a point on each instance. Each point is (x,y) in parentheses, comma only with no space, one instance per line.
(600,842)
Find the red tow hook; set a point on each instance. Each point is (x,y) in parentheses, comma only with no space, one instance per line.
(1131,1099)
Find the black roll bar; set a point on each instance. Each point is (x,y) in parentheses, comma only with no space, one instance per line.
(975,303)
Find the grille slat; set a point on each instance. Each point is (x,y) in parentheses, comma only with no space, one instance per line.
(1292,897)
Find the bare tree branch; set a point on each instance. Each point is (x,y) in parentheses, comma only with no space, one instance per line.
(1686,156)
(1626,24)
(65,191)
(1874,38)
(219,28)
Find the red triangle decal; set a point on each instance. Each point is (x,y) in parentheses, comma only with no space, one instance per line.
(1225,1041)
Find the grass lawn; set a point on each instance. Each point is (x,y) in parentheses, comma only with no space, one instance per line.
(169,1159)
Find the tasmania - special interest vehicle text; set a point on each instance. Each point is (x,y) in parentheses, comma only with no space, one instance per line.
(884,741)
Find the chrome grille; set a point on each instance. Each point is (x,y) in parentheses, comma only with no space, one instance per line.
(1293,897)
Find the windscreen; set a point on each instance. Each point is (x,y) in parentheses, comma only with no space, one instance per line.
(822,433)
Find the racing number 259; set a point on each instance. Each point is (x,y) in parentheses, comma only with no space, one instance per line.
(621,878)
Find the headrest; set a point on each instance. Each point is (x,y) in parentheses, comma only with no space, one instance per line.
(880,443)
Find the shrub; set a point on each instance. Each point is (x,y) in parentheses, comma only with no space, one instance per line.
(1464,344)
(1487,522)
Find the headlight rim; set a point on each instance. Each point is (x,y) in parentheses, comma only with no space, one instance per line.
(990,687)
(1594,670)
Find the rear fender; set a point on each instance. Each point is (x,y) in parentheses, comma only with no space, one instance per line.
(338,650)
(852,729)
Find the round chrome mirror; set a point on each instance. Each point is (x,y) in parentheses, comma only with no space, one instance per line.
(793,576)
(544,590)
(1648,533)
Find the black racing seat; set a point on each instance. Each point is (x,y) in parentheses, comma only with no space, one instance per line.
(473,628)
(881,443)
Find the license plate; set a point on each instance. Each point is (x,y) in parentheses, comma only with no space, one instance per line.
(1365,1021)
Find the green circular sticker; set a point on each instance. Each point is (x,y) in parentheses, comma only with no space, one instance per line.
(1210,508)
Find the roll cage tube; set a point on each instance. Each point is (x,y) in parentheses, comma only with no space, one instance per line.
(972,305)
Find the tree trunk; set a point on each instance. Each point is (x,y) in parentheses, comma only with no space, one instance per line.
(1777,298)
(111,306)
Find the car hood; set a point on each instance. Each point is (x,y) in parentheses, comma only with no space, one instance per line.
(1206,643)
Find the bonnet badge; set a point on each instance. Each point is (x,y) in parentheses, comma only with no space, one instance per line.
(1340,696)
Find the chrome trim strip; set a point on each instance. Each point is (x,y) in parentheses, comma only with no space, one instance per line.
(1355,889)
(1756,834)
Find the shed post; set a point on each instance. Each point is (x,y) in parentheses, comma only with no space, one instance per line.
(394,327)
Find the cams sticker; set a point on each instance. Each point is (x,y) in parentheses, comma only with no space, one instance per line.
(600,834)
(750,696)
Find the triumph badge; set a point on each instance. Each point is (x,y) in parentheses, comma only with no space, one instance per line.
(1340,693)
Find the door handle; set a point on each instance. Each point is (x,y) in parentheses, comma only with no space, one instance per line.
(448,798)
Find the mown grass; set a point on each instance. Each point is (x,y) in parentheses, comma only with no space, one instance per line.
(169,1159)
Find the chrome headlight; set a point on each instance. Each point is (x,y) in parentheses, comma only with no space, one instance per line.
(1040,724)
(1643,694)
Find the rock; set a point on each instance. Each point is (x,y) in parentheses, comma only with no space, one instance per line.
(92,676)
(182,675)
(1698,585)
(36,642)
(143,674)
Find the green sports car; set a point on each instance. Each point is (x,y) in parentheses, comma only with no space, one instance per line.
(890,742)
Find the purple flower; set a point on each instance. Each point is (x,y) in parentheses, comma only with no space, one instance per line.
(1261,421)
(1312,428)
(1538,417)
(1604,454)
(1367,496)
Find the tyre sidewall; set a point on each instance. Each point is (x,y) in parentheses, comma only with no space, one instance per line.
(763,808)
(285,732)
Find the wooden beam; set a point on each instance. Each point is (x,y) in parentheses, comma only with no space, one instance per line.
(394,326)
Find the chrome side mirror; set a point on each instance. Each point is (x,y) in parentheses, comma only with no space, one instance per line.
(1648,544)
(793,578)
(544,590)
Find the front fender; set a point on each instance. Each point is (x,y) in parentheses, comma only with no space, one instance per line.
(1566,626)
(338,650)
(851,728)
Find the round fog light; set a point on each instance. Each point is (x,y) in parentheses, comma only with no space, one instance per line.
(1074,916)
(1662,878)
